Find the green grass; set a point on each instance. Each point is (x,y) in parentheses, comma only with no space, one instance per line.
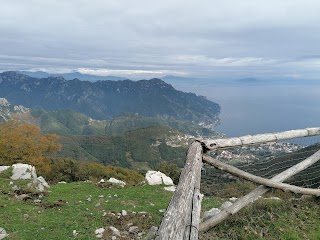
(27,220)
(289,219)
(65,208)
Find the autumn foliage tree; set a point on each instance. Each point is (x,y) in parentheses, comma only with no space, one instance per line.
(20,143)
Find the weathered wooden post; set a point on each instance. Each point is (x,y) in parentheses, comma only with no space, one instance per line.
(182,218)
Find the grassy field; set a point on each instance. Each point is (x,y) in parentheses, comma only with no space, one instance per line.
(86,206)
(79,206)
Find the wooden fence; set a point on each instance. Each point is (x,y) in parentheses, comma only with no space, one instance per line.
(182,217)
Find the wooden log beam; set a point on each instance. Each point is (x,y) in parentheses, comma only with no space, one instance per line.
(178,215)
(192,229)
(259,138)
(253,195)
(259,180)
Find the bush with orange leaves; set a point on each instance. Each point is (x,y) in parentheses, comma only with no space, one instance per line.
(20,143)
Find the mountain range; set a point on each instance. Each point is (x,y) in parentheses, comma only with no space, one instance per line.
(71,76)
(107,99)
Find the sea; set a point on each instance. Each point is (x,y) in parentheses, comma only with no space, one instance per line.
(252,107)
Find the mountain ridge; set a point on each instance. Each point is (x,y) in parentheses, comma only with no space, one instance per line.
(107,99)
(72,75)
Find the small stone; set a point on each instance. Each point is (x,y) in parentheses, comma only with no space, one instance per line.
(3,233)
(124,213)
(233,199)
(162,210)
(115,195)
(113,238)
(99,232)
(130,224)
(11,183)
(115,231)
(133,229)
(170,189)
(102,181)
(37,201)
(151,204)
(75,233)
(98,204)
(63,182)
(101,196)
(104,214)
(26,216)
(89,199)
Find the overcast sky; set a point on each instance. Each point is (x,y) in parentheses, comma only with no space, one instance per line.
(148,38)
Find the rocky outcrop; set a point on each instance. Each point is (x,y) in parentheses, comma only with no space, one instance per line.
(21,171)
(7,110)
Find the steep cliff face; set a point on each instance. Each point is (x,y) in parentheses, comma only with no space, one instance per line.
(7,110)
(107,99)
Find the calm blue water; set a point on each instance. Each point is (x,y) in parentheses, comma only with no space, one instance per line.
(253,109)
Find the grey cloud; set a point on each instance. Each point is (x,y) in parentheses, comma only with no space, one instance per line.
(206,37)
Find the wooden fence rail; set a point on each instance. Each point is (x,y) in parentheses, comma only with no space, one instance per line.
(182,217)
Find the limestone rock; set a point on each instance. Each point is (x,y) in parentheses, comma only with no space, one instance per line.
(3,233)
(124,213)
(116,181)
(39,183)
(23,171)
(99,232)
(4,102)
(157,178)
(170,189)
(101,181)
(115,231)
(75,233)
(3,168)
(133,229)
(212,212)
(233,199)
(152,233)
